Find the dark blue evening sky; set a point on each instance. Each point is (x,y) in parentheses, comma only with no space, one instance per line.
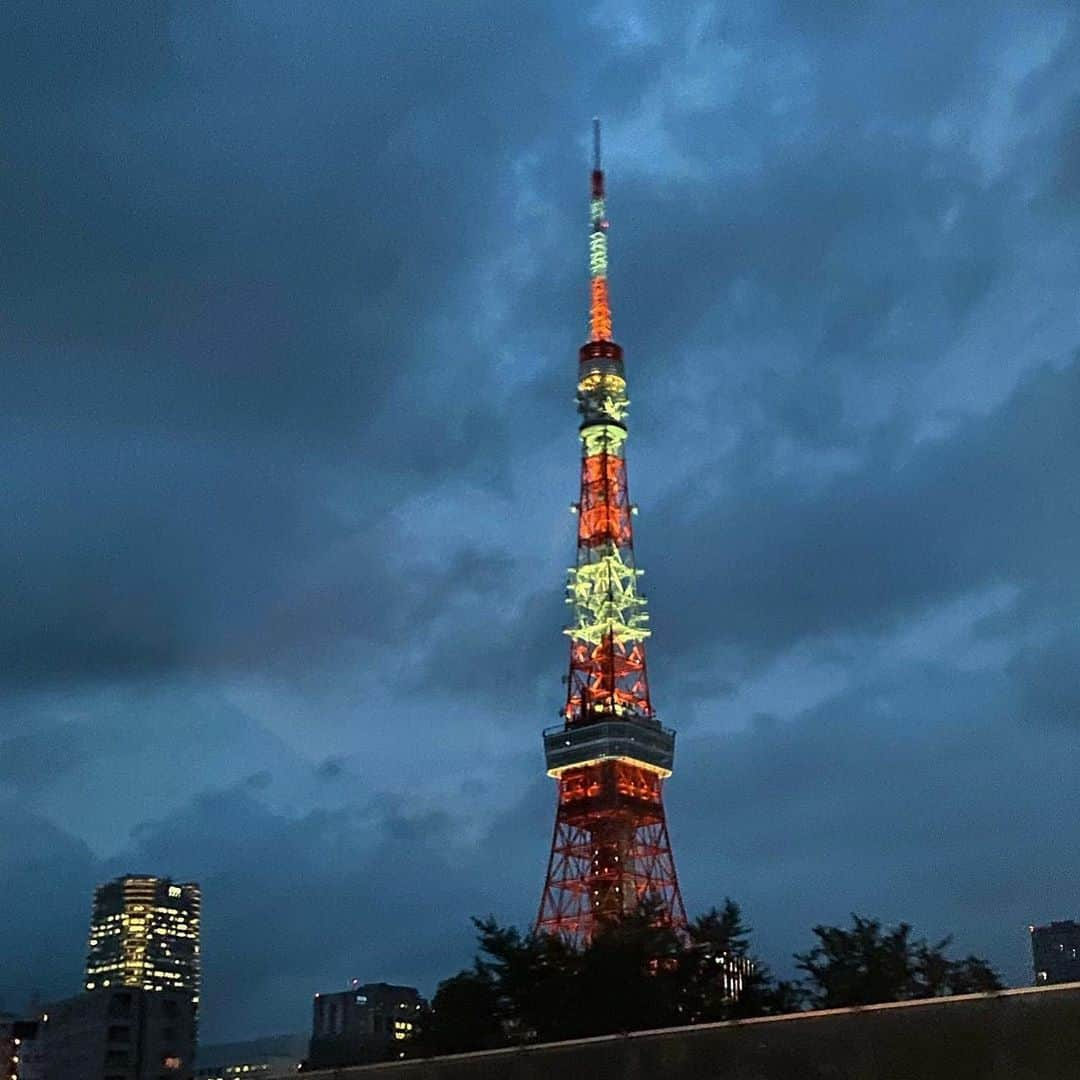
(291,300)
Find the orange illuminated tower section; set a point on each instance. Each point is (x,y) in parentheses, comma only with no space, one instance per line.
(610,754)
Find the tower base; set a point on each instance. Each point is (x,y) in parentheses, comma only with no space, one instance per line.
(610,851)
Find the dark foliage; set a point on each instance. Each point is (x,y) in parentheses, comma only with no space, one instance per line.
(867,964)
(637,974)
(717,954)
(463,1016)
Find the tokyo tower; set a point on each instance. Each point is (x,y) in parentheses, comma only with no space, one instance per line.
(610,756)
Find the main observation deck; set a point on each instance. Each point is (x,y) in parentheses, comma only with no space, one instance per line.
(648,747)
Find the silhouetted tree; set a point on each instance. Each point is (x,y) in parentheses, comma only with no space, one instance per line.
(463,1016)
(718,943)
(719,946)
(867,965)
(634,973)
(973,975)
(629,975)
(535,978)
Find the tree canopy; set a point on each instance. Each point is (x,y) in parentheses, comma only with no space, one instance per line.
(867,964)
(638,973)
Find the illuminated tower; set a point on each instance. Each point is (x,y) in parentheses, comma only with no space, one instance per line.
(610,755)
(144,932)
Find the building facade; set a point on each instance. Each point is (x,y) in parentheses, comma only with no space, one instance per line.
(144,932)
(367,1023)
(20,1049)
(1055,952)
(119,1033)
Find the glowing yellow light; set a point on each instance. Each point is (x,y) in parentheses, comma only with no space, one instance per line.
(604,393)
(606,381)
(606,603)
(597,254)
(603,439)
(645,766)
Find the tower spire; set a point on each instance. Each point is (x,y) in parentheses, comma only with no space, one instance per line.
(610,755)
(599,302)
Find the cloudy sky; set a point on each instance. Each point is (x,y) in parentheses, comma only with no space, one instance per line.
(291,301)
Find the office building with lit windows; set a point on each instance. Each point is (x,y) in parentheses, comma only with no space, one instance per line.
(368,1022)
(144,932)
(1055,952)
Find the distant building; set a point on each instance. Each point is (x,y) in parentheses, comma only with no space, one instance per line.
(735,971)
(269,1058)
(364,1024)
(1055,952)
(144,932)
(120,1033)
(20,1049)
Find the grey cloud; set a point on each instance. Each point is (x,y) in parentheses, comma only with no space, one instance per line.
(31,760)
(281,284)
(919,797)
(991,503)
(1050,676)
(48,878)
(323,888)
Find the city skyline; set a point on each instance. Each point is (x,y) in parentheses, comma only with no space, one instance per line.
(292,307)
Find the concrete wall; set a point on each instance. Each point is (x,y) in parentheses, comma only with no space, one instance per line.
(1031,1034)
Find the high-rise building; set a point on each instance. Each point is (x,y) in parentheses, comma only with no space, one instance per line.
(610,755)
(368,1022)
(1055,952)
(144,932)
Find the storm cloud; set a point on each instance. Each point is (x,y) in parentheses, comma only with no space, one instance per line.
(292,297)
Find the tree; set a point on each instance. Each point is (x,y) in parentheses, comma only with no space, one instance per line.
(635,973)
(867,964)
(716,953)
(550,989)
(534,976)
(463,1016)
(629,975)
(973,975)
(722,980)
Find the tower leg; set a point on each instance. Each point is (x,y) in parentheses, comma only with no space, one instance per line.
(610,851)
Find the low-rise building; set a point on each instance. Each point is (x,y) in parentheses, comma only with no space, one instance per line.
(20,1048)
(368,1022)
(269,1058)
(1055,952)
(120,1033)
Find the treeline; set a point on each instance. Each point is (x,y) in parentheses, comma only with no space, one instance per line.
(636,974)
